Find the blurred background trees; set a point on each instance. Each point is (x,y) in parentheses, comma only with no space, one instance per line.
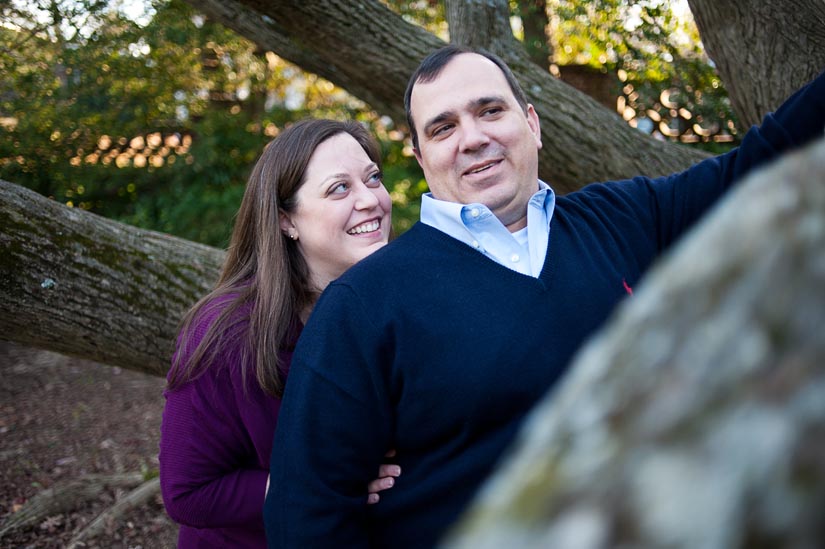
(153,114)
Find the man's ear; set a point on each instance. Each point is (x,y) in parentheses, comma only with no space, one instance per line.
(533,122)
(417,154)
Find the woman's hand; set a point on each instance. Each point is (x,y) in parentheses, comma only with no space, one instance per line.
(386,479)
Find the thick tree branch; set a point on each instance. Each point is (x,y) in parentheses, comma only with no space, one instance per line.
(269,35)
(365,46)
(86,286)
(764,51)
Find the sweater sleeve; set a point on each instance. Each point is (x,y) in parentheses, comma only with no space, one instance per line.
(205,480)
(333,429)
(668,206)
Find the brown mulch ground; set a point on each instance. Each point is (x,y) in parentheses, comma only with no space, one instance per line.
(61,418)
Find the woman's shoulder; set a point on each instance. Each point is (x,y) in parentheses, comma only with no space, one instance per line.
(219,323)
(213,311)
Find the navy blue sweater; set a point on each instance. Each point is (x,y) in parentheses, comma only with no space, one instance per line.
(431,348)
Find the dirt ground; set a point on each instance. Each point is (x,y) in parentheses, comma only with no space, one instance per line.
(61,418)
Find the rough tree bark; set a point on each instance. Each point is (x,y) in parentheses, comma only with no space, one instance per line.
(129,297)
(696,419)
(577,129)
(569,119)
(534,21)
(763,50)
(86,286)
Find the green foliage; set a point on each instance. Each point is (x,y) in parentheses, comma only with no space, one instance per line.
(428,14)
(653,44)
(83,88)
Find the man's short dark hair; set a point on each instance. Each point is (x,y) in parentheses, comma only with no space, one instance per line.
(433,64)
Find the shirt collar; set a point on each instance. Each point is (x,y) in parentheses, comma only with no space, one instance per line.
(449,216)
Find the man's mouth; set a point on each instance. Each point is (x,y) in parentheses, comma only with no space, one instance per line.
(482,167)
(366,227)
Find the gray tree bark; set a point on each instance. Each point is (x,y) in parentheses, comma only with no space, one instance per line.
(696,418)
(370,51)
(534,21)
(762,50)
(92,290)
(570,120)
(86,286)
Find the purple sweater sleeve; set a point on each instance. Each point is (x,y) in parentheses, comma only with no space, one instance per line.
(216,439)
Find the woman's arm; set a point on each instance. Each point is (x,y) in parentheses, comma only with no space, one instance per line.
(208,472)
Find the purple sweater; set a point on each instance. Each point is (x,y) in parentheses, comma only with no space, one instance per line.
(215,445)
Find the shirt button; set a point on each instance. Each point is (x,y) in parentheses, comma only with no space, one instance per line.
(475,244)
(514,258)
(474,212)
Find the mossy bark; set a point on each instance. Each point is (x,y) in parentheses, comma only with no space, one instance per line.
(86,286)
(370,51)
(764,51)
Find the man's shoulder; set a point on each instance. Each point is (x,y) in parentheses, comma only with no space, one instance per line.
(399,255)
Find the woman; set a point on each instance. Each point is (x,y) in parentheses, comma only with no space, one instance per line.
(314,205)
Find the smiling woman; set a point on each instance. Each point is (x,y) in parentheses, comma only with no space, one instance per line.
(343,210)
(314,205)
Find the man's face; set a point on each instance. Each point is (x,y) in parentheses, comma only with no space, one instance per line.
(475,143)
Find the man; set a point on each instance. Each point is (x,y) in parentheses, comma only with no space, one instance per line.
(440,343)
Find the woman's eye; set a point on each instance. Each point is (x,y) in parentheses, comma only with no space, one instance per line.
(375,179)
(339,188)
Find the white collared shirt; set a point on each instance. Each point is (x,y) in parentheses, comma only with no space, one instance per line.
(523,251)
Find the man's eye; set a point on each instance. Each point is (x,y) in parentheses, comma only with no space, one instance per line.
(492,110)
(441,130)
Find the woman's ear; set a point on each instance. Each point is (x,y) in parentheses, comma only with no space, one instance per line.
(287,227)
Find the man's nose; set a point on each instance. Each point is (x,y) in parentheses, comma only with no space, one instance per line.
(473,136)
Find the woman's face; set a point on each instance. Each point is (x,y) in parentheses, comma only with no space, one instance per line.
(343,211)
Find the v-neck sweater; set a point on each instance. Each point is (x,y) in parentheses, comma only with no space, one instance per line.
(434,350)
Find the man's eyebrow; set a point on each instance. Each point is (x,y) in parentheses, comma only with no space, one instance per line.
(487,100)
(438,119)
(472,105)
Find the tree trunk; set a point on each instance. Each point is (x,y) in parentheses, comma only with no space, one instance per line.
(578,120)
(377,76)
(763,50)
(696,418)
(583,141)
(86,286)
(481,24)
(534,21)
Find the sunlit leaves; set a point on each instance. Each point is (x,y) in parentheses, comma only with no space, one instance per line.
(654,43)
(78,109)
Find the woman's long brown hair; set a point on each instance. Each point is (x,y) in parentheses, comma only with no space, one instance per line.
(263,268)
